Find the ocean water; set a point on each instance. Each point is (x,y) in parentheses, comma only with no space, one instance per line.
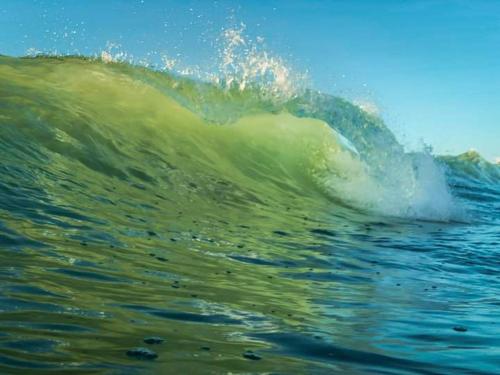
(252,232)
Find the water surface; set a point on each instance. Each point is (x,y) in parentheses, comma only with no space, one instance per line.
(252,236)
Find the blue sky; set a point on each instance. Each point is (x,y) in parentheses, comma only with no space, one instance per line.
(431,67)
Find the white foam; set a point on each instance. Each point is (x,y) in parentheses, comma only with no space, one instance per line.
(405,185)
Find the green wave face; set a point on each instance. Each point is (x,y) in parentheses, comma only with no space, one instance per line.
(136,203)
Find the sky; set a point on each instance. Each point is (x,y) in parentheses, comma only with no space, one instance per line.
(430,68)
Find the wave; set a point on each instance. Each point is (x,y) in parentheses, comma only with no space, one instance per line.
(210,143)
(472,166)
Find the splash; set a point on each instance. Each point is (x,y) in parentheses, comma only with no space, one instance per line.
(245,63)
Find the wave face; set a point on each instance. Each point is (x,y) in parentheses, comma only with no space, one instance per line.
(134,202)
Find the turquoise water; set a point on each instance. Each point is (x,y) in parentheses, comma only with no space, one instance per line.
(249,234)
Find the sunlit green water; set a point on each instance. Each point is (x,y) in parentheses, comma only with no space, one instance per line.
(136,204)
